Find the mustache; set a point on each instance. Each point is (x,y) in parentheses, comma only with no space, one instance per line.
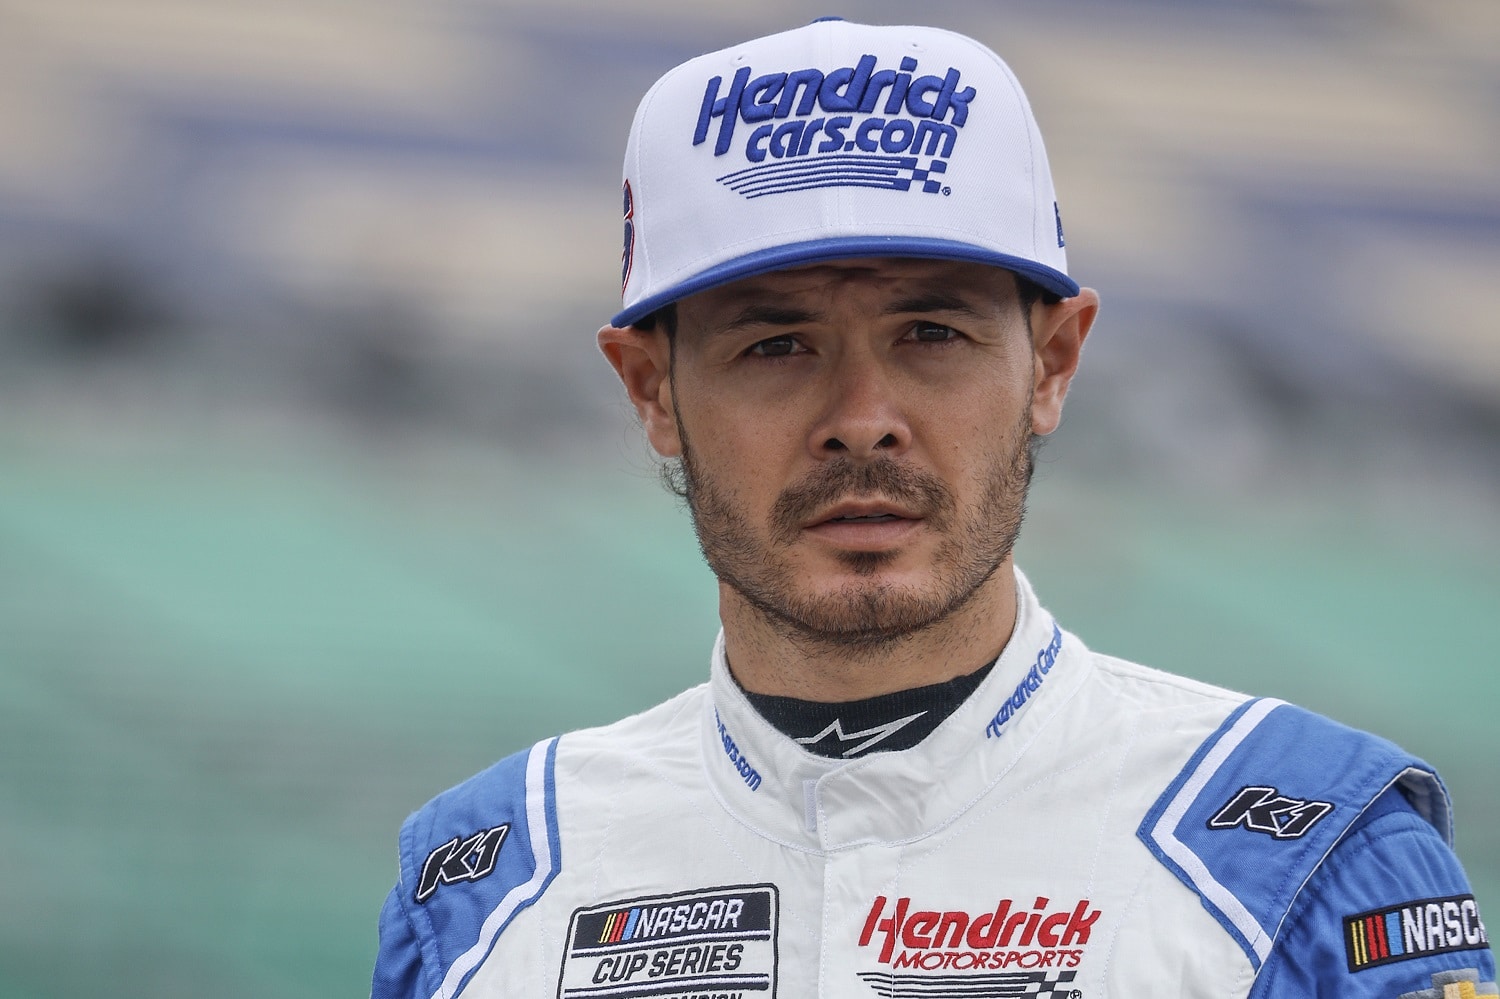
(843,479)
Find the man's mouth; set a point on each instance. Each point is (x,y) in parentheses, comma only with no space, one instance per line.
(856,512)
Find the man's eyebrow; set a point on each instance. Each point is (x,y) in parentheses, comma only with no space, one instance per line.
(767,315)
(937,301)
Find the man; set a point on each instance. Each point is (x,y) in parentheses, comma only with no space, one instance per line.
(847,313)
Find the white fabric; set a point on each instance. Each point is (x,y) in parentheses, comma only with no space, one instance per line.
(1042,817)
(957,160)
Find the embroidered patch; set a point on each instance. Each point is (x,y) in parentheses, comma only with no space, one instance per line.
(1003,948)
(461,860)
(1413,929)
(1267,810)
(691,944)
(1463,984)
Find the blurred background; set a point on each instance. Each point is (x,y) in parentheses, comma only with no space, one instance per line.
(315,496)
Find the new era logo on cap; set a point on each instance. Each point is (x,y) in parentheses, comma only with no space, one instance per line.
(834,140)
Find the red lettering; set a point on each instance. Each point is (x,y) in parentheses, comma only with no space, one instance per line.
(891,927)
(918,929)
(1047,935)
(928,929)
(979,937)
(956,922)
(864,937)
(1078,928)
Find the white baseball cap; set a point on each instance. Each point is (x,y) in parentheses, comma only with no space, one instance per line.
(831,141)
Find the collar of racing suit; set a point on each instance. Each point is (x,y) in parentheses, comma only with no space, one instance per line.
(813,803)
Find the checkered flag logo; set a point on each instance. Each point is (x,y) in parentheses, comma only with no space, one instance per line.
(890,173)
(1047,984)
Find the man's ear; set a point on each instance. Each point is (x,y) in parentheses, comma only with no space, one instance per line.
(643,360)
(1057,334)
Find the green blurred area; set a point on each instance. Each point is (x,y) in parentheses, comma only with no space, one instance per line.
(226,674)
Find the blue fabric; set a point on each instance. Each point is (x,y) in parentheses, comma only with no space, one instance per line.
(398,964)
(1391,857)
(1318,775)
(420,941)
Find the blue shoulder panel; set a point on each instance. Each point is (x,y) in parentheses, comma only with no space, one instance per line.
(471,859)
(1388,913)
(1264,800)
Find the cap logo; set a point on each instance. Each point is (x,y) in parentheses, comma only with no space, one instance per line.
(627,255)
(811,129)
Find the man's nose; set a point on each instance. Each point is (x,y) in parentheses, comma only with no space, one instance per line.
(862,416)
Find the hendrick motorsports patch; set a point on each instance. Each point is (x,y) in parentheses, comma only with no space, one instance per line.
(714,943)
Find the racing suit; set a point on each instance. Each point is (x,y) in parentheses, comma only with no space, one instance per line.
(1080,827)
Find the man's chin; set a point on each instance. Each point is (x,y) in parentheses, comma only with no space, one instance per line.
(867,564)
(859,613)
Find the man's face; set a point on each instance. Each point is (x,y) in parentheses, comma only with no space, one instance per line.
(856,440)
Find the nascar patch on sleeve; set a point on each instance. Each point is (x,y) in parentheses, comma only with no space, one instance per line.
(1419,928)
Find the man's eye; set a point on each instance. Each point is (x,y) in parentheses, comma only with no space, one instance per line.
(776,346)
(933,332)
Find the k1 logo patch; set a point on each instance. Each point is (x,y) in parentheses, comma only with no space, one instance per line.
(1267,810)
(461,860)
(1413,929)
(690,945)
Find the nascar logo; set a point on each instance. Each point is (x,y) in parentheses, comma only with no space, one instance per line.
(1413,929)
(687,945)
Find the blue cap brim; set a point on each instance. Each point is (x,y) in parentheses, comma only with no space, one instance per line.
(845,248)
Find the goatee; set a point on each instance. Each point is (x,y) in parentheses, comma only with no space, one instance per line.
(865,611)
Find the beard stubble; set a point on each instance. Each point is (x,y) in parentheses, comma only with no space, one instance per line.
(863,612)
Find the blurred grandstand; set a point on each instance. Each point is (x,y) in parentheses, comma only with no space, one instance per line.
(315,498)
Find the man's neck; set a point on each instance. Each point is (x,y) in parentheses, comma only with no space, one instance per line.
(766,658)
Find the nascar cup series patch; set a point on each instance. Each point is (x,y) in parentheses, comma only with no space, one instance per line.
(714,942)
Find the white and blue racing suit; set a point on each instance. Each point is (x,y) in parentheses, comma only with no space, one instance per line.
(1080,827)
